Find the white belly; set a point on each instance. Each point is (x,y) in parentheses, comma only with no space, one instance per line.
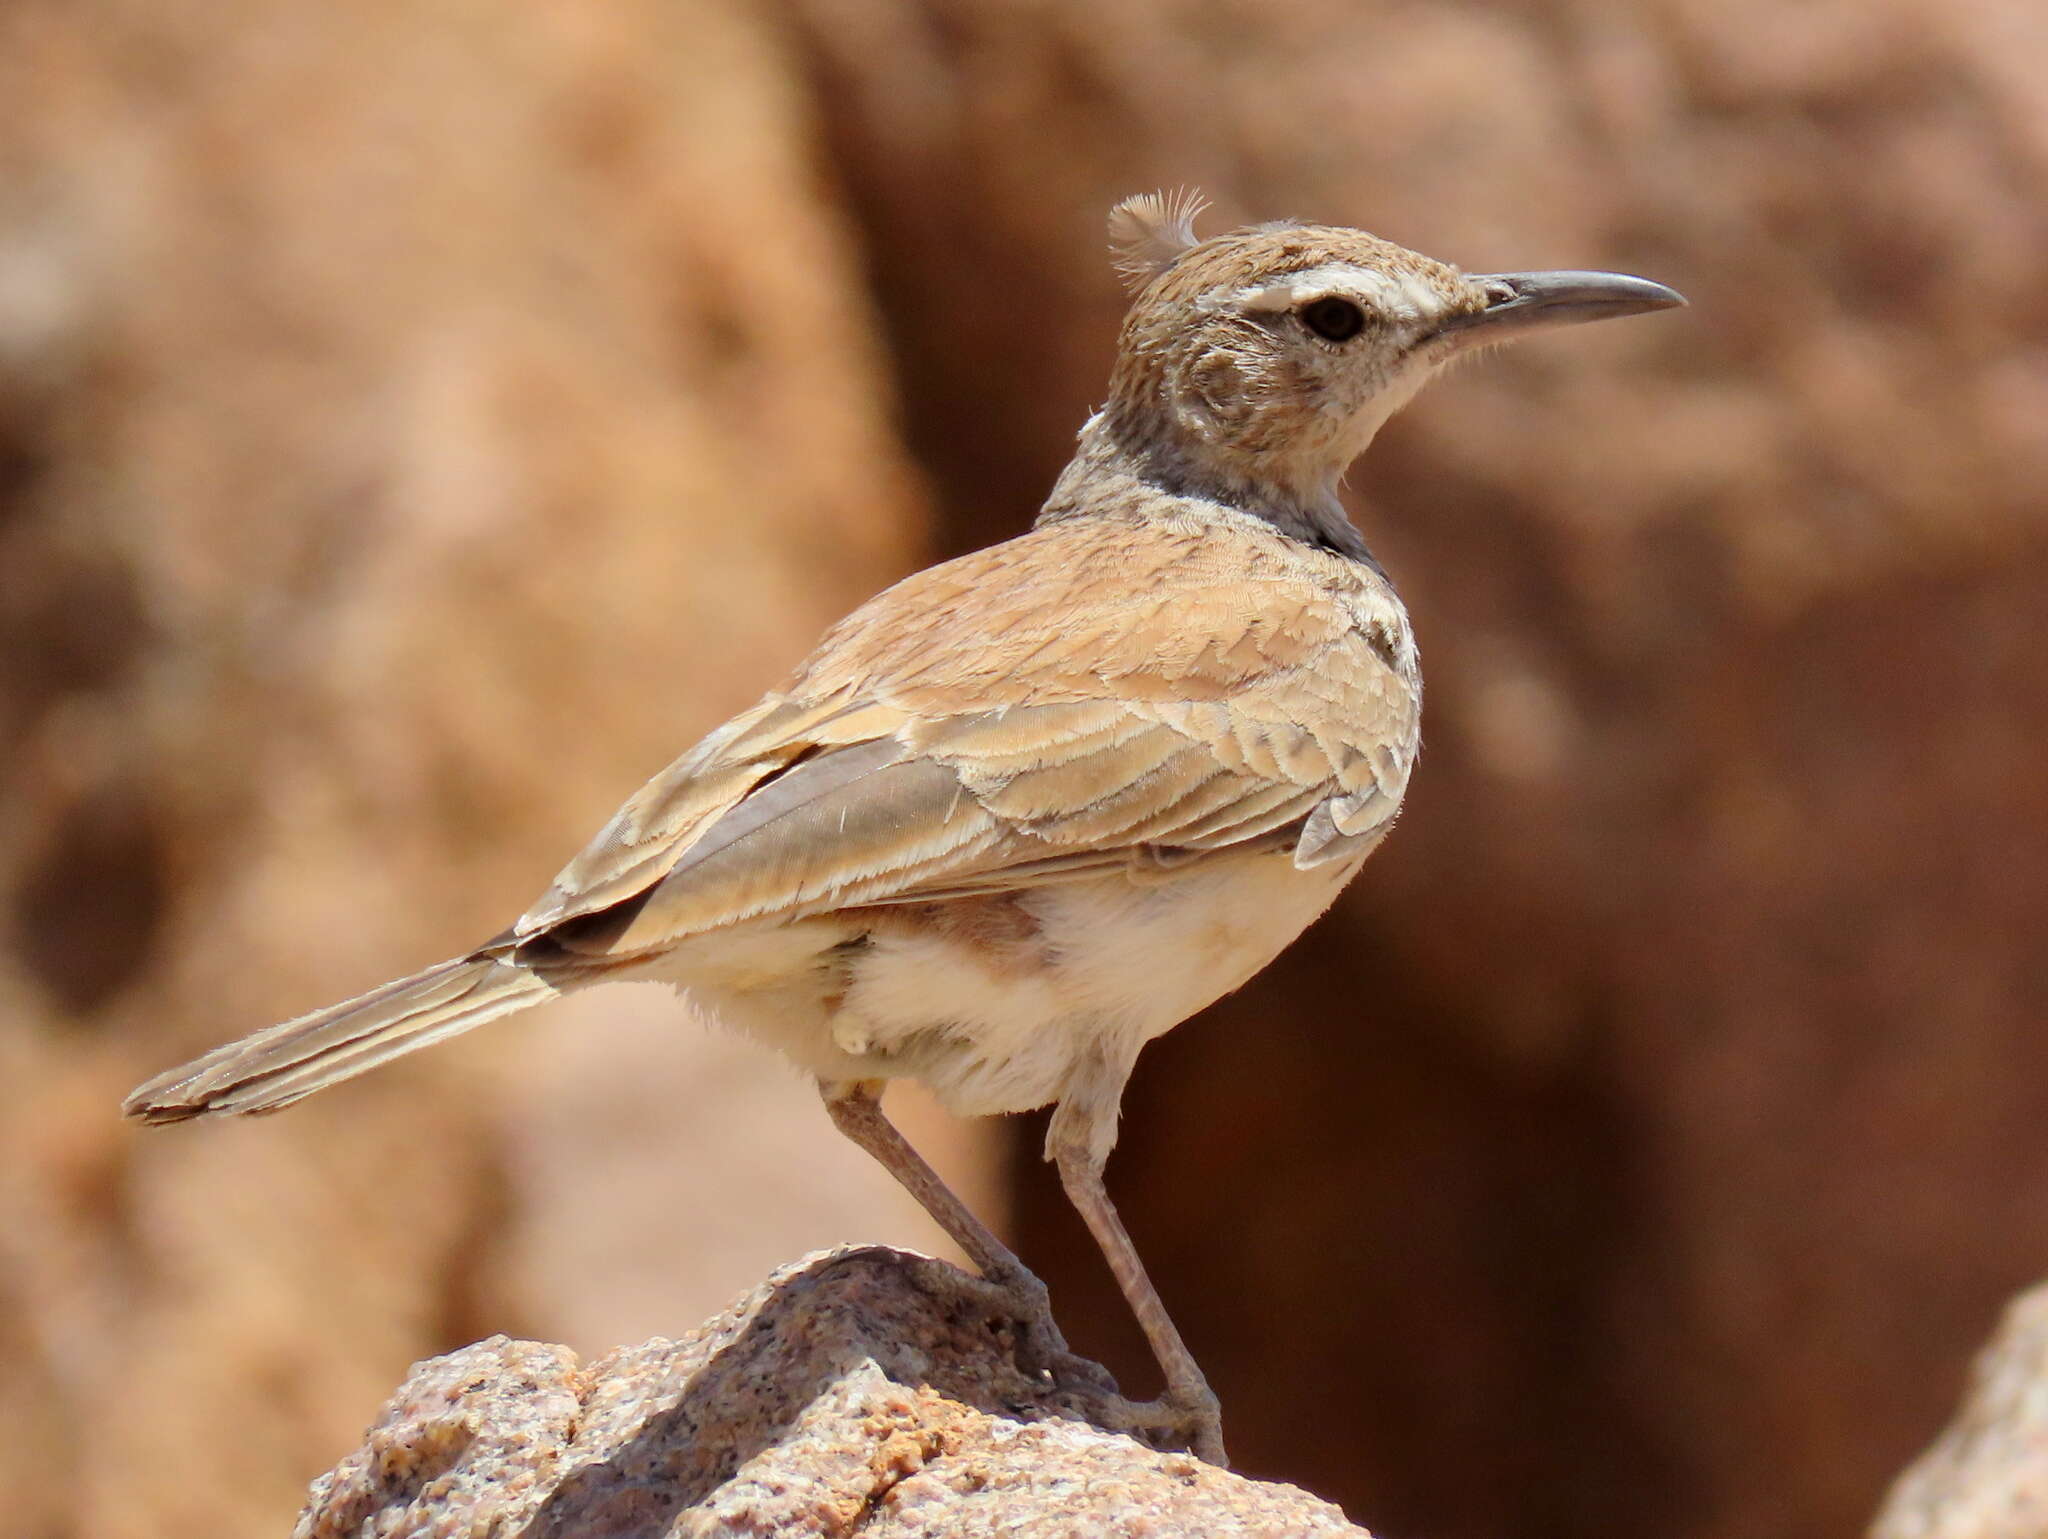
(993,1028)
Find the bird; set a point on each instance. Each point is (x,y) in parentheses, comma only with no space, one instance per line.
(1029,808)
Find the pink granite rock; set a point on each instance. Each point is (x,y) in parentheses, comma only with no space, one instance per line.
(1986,1476)
(859,1390)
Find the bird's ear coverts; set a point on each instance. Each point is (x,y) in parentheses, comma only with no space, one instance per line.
(1152,231)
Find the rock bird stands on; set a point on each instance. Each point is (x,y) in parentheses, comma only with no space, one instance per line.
(1028,809)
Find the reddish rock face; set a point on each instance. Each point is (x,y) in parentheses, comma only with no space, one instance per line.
(1657,1122)
(414,430)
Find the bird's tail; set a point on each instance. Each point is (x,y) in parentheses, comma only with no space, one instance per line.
(274,1068)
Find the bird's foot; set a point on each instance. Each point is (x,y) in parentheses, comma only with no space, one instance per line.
(1043,1347)
(1080,1375)
(1188,1414)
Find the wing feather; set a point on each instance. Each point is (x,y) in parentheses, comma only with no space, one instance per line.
(1039,799)
(833,845)
(1068,704)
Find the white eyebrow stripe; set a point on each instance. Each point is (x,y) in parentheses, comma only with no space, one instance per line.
(1267,296)
(1399,298)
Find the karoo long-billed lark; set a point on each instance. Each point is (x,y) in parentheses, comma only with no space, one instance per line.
(1028,809)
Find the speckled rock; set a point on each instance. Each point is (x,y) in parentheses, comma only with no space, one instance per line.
(858,1390)
(1986,1476)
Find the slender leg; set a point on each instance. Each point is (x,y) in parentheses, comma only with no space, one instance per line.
(1083,1129)
(855,1107)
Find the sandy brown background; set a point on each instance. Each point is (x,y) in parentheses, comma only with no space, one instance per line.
(420,422)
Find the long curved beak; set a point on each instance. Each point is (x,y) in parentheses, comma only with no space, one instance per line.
(1525,301)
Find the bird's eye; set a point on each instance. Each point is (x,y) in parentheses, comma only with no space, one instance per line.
(1334,320)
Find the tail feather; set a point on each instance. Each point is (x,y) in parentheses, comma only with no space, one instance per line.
(275,1067)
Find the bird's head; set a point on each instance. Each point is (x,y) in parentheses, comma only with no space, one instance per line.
(1268,357)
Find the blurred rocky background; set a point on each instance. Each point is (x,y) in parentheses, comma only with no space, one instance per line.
(420,422)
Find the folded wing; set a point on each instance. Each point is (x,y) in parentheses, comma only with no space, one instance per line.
(1102,739)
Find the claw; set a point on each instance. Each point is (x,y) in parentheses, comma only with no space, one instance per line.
(1082,1375)
(1190,1415)
(1044,1347)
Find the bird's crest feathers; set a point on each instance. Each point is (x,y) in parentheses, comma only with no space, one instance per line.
(1152,231)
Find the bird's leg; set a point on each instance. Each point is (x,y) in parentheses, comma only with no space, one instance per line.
(855,1107)
(1078,1143)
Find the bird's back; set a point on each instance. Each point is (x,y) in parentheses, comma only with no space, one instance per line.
(1077,697)
(1076,783)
